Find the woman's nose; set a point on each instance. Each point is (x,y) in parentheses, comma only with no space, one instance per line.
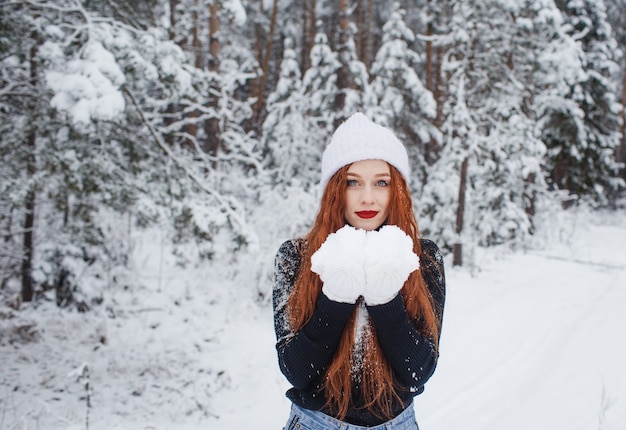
(368,195)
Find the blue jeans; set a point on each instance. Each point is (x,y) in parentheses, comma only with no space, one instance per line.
(305,419)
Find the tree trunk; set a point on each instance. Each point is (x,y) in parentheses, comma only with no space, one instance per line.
(621,151)
(173,4)
(366,36)
(306,46)
(531,205)
(360,19)
(429,55)
(312,29)
(212,125)
(29,225)
(196,44)
(343,73)
(29,204)
(214,41)
(170,110)
(438,87)
(428,78)
(258,54)
(460,214)
(259,105)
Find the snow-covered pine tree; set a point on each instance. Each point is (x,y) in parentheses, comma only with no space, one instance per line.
(300,117)
(319,87)
(82,172)
(441,207)
(443,202)
(95,150)
(284,137)
(23,130)
(212,108)
(488,134)
(354,92)
(403,103)
(582,143)
(288,191)
(617,19)
(510,177)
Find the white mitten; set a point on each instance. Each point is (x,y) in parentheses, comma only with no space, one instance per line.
(340,263)
(389,260)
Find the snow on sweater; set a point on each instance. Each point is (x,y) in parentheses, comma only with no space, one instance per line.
(304,356)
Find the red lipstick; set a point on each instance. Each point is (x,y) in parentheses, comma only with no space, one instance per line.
(367,214)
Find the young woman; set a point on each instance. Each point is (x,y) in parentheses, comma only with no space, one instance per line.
(358,302)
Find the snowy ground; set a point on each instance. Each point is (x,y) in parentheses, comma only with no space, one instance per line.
(533,339)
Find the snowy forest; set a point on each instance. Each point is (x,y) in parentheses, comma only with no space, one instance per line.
(207,119)
(197,126)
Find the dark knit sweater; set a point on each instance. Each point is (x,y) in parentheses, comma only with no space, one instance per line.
(304,356)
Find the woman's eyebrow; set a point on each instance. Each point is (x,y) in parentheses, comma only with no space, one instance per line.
(377,175)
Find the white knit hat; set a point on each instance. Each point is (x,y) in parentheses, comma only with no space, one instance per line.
(358,139)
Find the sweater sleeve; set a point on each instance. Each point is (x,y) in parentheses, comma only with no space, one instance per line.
(412,355)
(303,355)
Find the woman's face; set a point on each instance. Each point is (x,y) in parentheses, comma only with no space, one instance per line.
(367,194)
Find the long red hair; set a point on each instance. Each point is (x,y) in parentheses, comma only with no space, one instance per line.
(375,373)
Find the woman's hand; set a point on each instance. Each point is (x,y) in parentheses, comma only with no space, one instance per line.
(340,263)
(389,260)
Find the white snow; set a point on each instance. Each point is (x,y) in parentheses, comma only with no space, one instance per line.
(89,87)
(534,339)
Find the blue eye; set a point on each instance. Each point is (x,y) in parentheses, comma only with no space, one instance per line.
(352,182)
(382,183)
